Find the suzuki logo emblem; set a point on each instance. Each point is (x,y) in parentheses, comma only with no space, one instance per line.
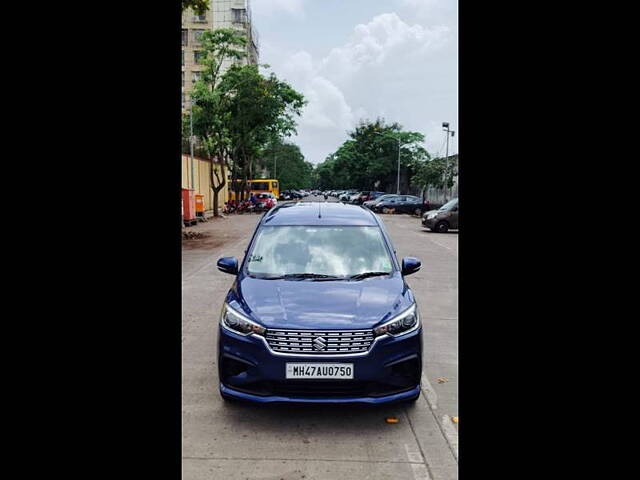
(319,343)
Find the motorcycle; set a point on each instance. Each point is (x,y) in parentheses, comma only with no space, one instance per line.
(229,208)
(247,207)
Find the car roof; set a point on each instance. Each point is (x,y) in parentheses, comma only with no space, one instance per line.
(319,213)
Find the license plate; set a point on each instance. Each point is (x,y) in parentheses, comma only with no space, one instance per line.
(320,370)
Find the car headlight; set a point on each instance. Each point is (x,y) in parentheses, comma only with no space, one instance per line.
(238,323)
(406,322)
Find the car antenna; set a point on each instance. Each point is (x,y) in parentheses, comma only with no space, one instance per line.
(319,210)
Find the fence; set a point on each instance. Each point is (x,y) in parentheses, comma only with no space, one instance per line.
(202,180)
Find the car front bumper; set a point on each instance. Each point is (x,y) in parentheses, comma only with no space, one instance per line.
(389,372)
(429,222)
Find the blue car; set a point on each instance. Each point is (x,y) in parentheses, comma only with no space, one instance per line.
(320,312)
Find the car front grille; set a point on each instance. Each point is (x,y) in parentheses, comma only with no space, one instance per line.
(319,341)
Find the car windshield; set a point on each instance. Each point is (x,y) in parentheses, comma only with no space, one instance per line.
(341,251)
(449,205)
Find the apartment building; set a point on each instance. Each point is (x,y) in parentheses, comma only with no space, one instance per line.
(221,14)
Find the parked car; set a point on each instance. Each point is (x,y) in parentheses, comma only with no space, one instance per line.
(318,314)
(367,196)
(266,201)
(360,197)
(443,219)
(370,203)
(354,197)
(400,204)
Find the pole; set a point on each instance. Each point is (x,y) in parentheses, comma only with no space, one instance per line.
(398,192)
(191,141)
(446,164)
(275,164)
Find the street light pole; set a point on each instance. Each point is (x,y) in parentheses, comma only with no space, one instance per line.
(191,141)
(398,189)
(275,164)
(445,128)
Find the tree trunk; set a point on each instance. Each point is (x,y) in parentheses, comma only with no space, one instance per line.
(220,185)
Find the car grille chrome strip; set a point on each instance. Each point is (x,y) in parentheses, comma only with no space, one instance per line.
(319,341)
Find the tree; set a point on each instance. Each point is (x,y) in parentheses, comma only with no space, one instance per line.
(211,112)
(437,173)
(292,171)
(239,111)
(368,160)
(261,109)
(325,179)
(199,7)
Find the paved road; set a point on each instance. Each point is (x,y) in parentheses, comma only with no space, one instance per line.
(223,441)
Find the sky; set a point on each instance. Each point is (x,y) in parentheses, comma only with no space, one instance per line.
(363,59)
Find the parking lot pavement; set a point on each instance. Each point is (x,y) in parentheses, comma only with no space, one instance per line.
(319,442)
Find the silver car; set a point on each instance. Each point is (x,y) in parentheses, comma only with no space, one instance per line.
(443,219)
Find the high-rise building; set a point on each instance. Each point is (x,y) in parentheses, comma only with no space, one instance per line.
(221,14)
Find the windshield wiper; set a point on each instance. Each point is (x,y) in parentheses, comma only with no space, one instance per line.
(362,275)
(315,276)
(266,277)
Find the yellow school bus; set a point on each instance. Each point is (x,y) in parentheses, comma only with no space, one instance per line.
(267,185)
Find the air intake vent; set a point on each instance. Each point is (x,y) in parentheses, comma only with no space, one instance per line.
(319,341)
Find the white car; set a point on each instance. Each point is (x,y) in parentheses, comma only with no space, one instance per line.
(354,197)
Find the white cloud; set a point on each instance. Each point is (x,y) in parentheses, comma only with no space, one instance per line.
(384,40)
(326,114)
(387,68)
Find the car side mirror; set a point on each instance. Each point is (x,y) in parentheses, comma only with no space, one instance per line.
(228,265)
(410,265)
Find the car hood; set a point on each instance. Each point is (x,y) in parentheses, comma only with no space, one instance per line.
(304,304)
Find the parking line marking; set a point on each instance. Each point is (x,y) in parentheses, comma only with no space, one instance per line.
(444,246)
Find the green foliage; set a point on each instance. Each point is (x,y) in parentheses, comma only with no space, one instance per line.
(369,159)
(257,109)
(291,169)
(238,112)
(211,106)
(436,173)
(198,6)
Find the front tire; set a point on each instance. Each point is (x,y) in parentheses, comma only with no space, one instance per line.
(442,227)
